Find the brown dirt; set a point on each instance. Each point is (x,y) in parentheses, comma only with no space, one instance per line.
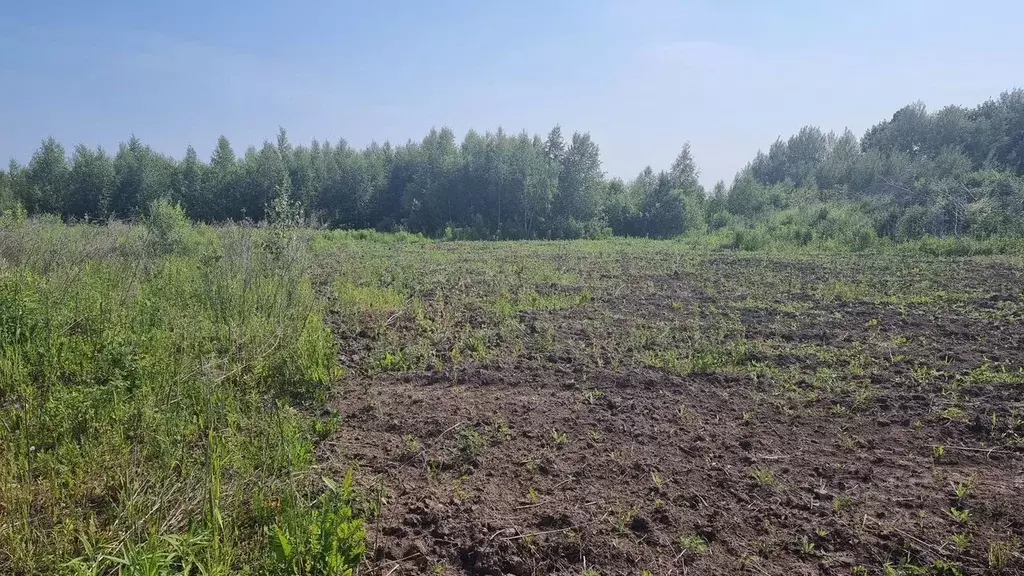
(553,462)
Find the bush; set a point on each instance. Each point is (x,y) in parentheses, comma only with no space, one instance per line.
(169,228)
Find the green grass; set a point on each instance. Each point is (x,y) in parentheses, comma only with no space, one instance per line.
(158,382)
(152,381)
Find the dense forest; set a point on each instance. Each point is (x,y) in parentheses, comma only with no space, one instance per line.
(955,172)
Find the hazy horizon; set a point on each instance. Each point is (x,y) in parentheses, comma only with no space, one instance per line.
(642,77)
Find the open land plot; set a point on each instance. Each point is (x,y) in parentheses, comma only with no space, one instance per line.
(621,407)
(226,400)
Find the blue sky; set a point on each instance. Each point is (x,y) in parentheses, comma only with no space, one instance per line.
(642,76)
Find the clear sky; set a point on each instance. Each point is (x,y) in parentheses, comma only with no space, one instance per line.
(642,76)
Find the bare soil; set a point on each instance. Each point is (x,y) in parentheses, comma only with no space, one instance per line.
(836,444)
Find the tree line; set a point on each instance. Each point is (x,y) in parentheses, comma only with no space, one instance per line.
(956,171)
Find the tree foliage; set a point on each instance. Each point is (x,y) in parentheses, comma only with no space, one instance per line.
(957,171)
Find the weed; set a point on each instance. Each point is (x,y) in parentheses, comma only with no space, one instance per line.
(1001,553)
(963,490)
(841,503)
(534,498)
(962,542)
(502,432)
(946,568)
(471,444)
(155,372)
(324,540)
(939,453)
(559,438)
(763,477)
(806,546)
(693,545)
(592,396)
(959,515)
(954,414)
(411,444)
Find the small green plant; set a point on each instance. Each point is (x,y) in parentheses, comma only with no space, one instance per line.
(954,414)
(471,444)
(693,545)
(947,568)
(324,539)
(534,498)
(860,571)
(502,432)
(592,396)
(959,515)
(841,503)
(1001,553)
(393,362)
(963,490)
(658,480)
(939,453)
(411,444)
(559,438)
(323,429)
(763,477)
(806,546)
(962,542)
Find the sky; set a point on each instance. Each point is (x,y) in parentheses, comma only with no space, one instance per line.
(642,76)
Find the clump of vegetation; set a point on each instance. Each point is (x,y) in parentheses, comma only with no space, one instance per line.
(1001,553)
(151,385)
(693,545)
(471,444)
(559,438)
(326,539)
(764,477)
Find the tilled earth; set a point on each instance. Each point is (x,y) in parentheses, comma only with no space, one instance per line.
(828,417)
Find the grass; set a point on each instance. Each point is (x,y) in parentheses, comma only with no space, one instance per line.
(152,381)
(693,545)
(163,386)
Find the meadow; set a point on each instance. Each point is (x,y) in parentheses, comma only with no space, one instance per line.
(192,399)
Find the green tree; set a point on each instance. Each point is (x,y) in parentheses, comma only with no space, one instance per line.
(577,203)
(260,175)
(663,208)
(7,198)
(93,182)
(47,179)
(190,192)
(622,209)
(221,185)
(684,174)
(142,177)
(428,197)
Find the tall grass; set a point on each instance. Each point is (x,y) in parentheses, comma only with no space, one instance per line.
(152,385)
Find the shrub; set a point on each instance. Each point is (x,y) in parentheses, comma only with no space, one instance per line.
(169,228)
